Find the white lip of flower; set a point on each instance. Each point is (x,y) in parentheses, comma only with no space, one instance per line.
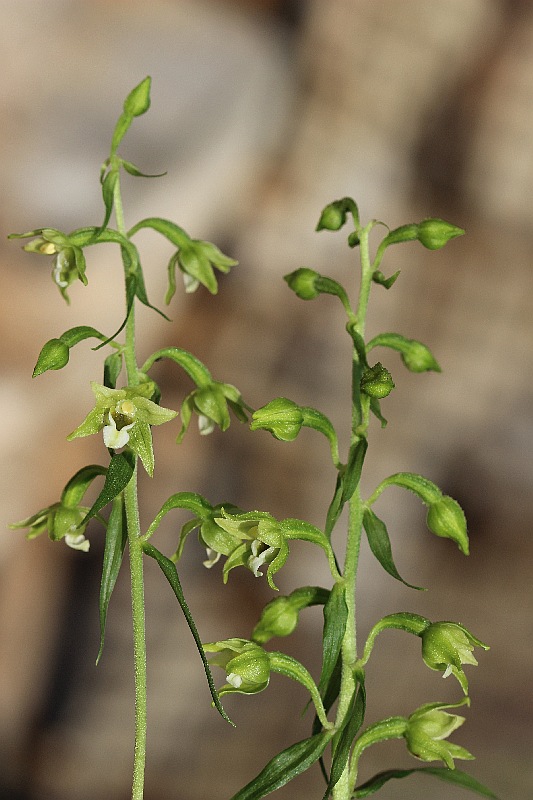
(205,425)
(259,558)
(190,283)
(114,438)
(77,541)
(448,671)
(58,269)
(212,558)
(234,680)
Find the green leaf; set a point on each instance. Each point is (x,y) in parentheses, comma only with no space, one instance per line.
(354,467)
(170,572)
(285,766)
(379,278)
(118,476)
(335,616)
(378,539)
(115,542)
(112,369)
(108,194)
(335,507)
(375,408)
(73,493)
(131,169)
(454,776)
(355,717)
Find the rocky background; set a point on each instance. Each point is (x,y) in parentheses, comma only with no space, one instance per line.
(263,112)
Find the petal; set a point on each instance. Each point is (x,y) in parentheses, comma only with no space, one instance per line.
(77,541)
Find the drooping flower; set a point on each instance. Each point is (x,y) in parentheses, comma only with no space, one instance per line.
(246,664)
(125,416)
(446,646)
(60,521)
(211,403)
(69,260)
(426,731)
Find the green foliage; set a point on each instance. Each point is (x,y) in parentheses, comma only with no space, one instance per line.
(255,539)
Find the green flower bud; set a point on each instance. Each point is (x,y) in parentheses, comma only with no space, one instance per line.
(333,216)
(302,283)
(377,382)
(282,417)
(428,727)
(61,522)
(54,355)
(246,664)
(446,518)
(447,646)
(418,358)
(278,618)
(435,233)
(138,100)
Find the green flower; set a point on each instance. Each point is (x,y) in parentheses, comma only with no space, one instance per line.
(447,646)
(197,260)
(125,416)
(426,730)
(69,261)
(211,403)
(246,664)
(60,522)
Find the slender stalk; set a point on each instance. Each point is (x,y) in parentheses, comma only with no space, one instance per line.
(344,788)
(136,560)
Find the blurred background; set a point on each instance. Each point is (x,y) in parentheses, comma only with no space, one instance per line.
(263,112)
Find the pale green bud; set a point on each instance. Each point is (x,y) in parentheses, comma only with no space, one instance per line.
(446,518)
(446,646)
(428,727)
(282,417)
(302,282)
(246,664)
(278,618)
(435,233)
(377,382)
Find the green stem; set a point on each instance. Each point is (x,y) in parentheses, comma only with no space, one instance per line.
(136,559)
(344,788)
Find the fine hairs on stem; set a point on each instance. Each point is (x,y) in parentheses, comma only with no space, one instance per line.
(127,403)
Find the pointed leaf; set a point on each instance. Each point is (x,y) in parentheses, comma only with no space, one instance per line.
(112,369)
(115,542)
(108,194)
(73,493)
(170,572)
(117,478)
(379,277)
(335,507)
(141,443)
(285,766)
(378,539)
(335,616)
(454,776)
(355,717)
(131,169)
(354,467)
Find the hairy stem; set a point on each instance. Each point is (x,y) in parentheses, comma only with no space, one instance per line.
(136,559)
(344,788)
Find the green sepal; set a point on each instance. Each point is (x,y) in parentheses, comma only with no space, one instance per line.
(55,353)
(454,776)
(170,572)
(415,355)
(378,539)
(379,278)
(115,542)
(75,489)
(285,766)
(140,442)
(112,369)
(352,725)
(335,616)
(118,475)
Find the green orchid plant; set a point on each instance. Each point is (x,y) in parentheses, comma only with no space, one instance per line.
(128,404)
